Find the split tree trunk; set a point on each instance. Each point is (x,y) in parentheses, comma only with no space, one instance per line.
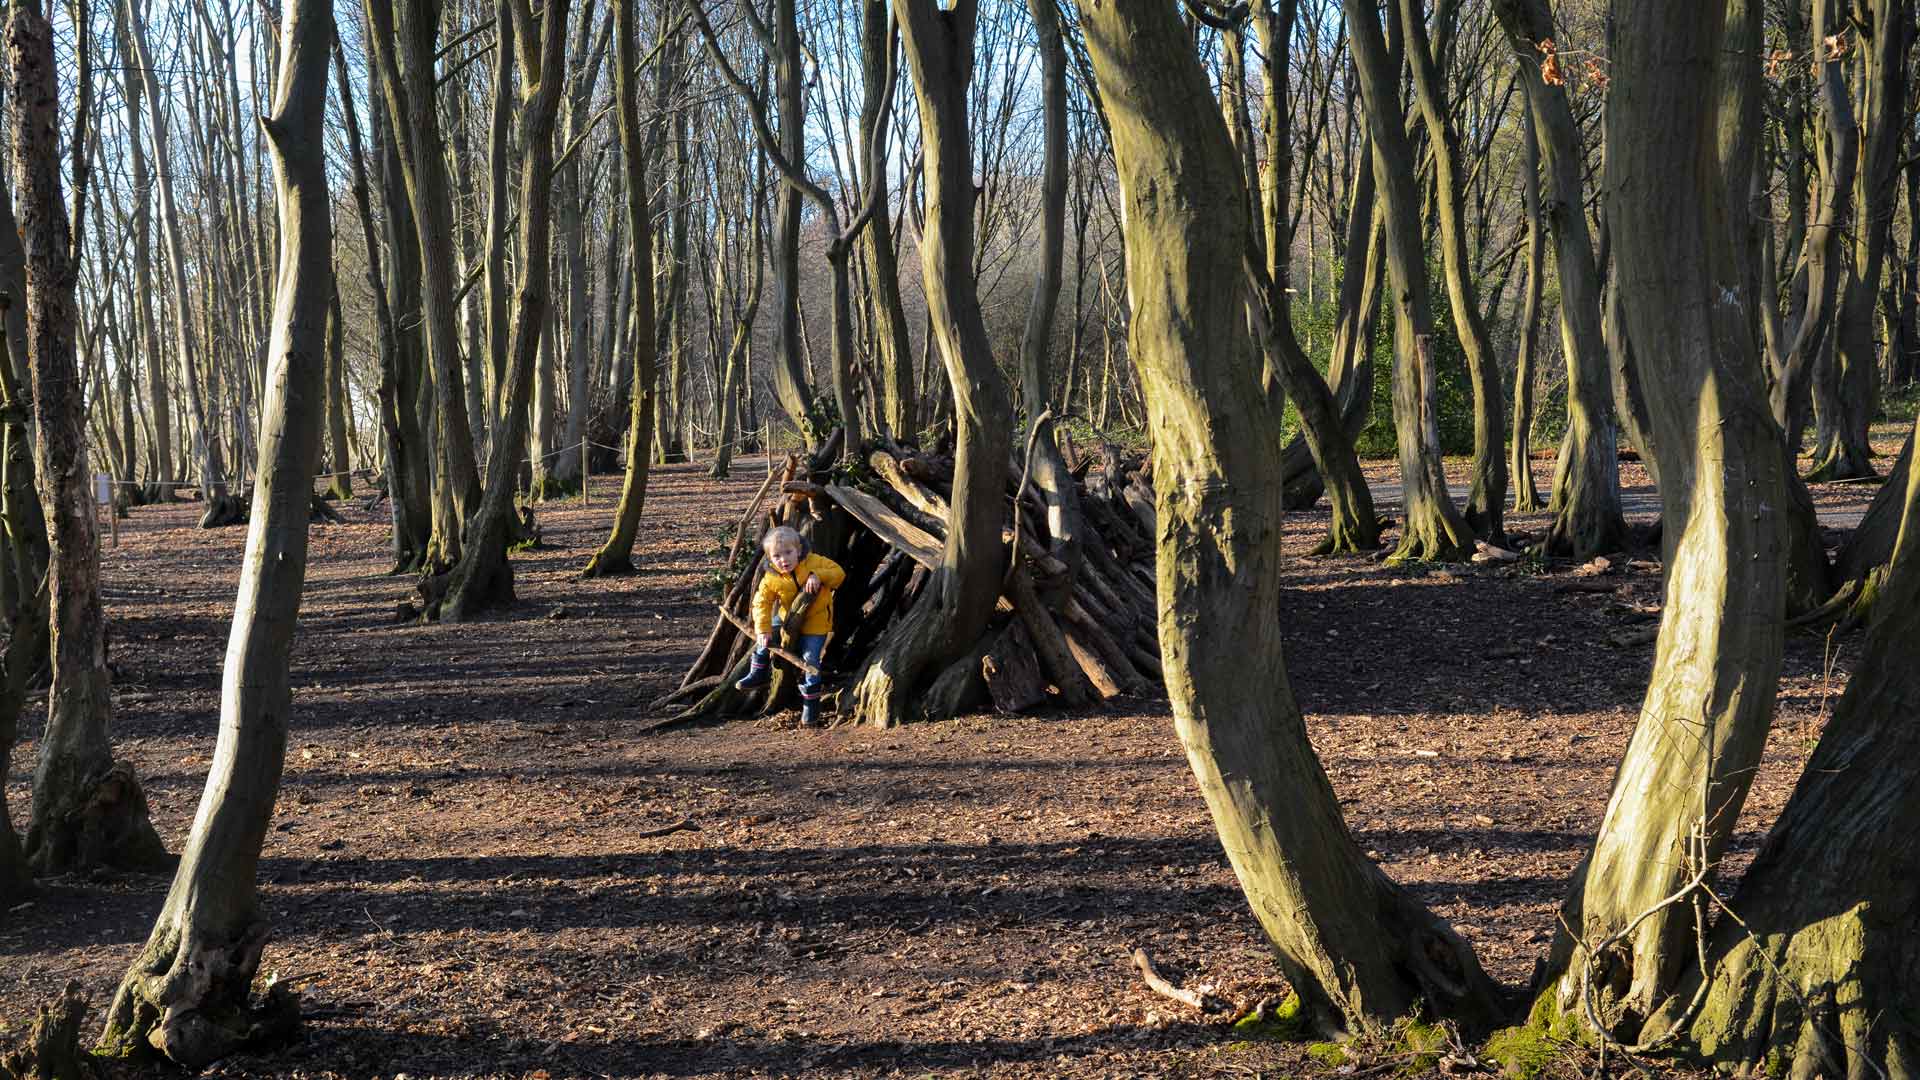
(1487,493)
(1585,498)
(187,995)
(954,605)
(1359,951)
(616,555)
(1883,45)
(1817,974)
(483,578)
(1433,527)
(1710,699)
(88,809)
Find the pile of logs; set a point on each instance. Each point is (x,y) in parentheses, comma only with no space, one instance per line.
(1075,622)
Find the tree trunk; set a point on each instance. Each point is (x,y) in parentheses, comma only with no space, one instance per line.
(616,555)
(402,40)
(404,489)
(340,463)
(1678,793)
(1526,497)
(952,611)
(483,578)
(88,809)
(188,993)
(1051,479)
(1882,83)
(1487,495)
(1433,527)
(1359,952)
(1838,157)
(206,451)
(1585,498)
(1816,976)
(132,86)
(897,411)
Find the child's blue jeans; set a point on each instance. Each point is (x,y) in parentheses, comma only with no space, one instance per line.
(811,646)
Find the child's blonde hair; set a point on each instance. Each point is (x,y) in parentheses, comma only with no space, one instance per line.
(782,536)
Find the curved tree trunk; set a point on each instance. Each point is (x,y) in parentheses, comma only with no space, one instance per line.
(1585,497)
(402,38)
(616,555)
(1817,974)
(1433,527)
(1882,81)
(1359,952)
(88,809)
(187,994)
(952,610)
(1838,156)
(897,411)
(405,490)
(1487,495)
(1679,789)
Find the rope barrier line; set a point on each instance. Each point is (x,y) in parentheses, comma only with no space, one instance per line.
(197,483)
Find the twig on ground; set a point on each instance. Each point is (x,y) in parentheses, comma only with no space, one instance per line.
(1193,999)
(685,823)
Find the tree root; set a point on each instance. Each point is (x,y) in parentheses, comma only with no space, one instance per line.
(225,510)
(51,1050)
(192,1002)
(106,825)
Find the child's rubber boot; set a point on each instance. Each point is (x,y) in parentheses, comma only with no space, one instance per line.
(757,676)
(810,713)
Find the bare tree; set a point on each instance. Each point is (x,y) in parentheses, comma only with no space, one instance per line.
(88,809)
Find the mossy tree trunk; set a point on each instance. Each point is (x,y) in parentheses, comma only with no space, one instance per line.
(898,410)
(1816,976)
(187,995)
(1710,699)
(1885,39)
(88,809)
(1433,527)
(616,555)
(1487,492)
(1585,497)
(1359,951)
(952,610)
(483,579)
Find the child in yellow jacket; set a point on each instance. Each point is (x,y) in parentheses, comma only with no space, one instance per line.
(791,570)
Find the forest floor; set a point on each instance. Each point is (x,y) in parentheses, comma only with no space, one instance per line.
(460,881)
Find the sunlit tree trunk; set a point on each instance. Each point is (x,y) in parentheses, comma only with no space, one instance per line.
(88,809)
(616,555)
(1359,952)
(1710,698)
(1433,527)
(1487,493)
(188,993)
(952,610)
(483,578)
